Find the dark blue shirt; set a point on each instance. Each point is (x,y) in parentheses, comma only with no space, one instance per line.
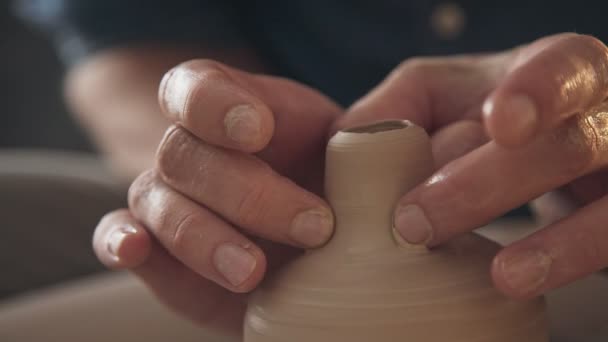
(342,47)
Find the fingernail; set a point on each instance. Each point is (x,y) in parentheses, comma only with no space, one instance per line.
(526,271)
(412,224)
(519,111)
(234,262)
(117,237)
(312,228)
(242,124)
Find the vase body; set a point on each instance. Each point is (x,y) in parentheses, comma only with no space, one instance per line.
(365,286)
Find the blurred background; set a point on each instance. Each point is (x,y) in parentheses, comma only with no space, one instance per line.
(46,239)
(41,146)
(31,90)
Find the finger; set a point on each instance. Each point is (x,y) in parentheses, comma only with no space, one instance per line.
(589,188)
(558,204)
(431,92)
(243,111)
(456,140)
(557,255)
(196,236)
(244,190)
(547,83)
(189,294)
(120,241)
(491,180)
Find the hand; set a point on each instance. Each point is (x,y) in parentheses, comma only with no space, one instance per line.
(545,129)
(238,170)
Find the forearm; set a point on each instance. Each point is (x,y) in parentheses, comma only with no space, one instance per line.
(114,96)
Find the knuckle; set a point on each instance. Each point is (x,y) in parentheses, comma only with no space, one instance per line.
(578,142)
(416,66)
(140,188)
(201,64)
(586,57)
(251,208)
(179,152)
(593,43)
(165,89)
(175,139)
(207,74)
(599,49)
(188,109)
(166,142)
(176,89)
(180,231)
(182,86)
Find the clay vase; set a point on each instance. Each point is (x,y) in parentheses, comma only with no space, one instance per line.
(364,285)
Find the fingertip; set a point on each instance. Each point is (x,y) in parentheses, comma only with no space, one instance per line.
(521,274)
(499,281)
(413,226)
(133,247)
(119,242)
(311,228)
(257,276)
(510,119)
(249,127)
(241,266)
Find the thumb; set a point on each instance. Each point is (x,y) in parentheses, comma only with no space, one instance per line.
(431,92)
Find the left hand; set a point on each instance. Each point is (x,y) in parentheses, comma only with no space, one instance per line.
(546,128)
(233,191)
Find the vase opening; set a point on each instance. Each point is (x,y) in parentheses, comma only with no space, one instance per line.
(382,126)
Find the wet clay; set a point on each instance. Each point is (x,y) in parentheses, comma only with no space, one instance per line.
(365,286)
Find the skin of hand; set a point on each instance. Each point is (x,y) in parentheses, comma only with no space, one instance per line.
(237,181)
(506,128)
(113,96)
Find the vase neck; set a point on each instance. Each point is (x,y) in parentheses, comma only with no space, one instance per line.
(367,170)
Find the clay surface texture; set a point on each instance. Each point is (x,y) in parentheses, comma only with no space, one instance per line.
(364,286)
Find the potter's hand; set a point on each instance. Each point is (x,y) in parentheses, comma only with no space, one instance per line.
(539,105)
(200,224)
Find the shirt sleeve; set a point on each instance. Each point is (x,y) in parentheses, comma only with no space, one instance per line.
(79,28)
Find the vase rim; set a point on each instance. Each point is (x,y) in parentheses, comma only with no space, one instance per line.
(379,126)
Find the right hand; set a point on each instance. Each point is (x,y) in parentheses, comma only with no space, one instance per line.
(237,180)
